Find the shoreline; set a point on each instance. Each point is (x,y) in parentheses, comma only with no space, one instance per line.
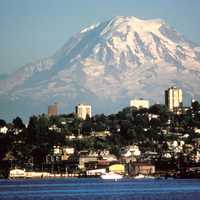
(59,176)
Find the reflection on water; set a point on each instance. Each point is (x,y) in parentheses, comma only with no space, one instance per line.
(91,189)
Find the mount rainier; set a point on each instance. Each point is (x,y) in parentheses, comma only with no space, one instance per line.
(106,65)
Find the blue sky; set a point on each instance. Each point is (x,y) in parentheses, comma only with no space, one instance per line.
(33,29)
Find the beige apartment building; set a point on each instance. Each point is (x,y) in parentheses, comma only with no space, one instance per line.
(173,98)
(139,103)
(83,110)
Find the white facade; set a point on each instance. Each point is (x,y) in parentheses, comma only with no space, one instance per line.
(68,150)
(83,110)
(17,173)
(196,130)
(57,150)
(94,172)
(139,103)
(21,173)
(4,130)
(132,150)
(173,98)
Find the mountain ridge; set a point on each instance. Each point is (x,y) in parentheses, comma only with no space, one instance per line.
(108,64)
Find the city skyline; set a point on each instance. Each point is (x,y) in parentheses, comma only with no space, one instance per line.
(173,101)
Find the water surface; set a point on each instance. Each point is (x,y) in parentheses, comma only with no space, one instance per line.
(91,189)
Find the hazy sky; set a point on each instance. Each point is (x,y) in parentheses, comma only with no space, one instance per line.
(33,29)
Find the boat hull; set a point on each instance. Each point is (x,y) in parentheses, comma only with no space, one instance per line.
(112,176)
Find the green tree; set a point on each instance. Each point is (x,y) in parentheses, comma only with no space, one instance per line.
(2,123)
(196,106)
(157,109)
(18,123)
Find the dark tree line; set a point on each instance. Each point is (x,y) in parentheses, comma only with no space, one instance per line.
(29,144)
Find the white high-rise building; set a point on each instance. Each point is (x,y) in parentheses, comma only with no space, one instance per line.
(173,98)
(139,103)
(83,110)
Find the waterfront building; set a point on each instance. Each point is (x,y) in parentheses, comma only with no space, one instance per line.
(136,168)
(84,159)
(139,103)
(53,109)
(173,98)
(117,168)
(95,172)
(83,111)
(21,173)
(17,173)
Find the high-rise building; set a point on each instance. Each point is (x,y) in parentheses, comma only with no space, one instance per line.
(173,98)
(53,109)
(139,103)
(83,110)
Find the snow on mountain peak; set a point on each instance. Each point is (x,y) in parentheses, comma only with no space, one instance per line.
(133,23)
(89,28)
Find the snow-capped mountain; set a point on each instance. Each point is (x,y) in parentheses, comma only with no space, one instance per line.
(106,65)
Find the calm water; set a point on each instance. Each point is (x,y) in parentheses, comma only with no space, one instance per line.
(90,189)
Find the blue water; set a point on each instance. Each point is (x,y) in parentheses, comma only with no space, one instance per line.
(90,189)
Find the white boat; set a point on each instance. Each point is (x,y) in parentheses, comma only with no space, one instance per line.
(141,176)
(111,176)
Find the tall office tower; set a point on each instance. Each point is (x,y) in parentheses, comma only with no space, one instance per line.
(83,110)
(139,103)
(53,109)
(173,98)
